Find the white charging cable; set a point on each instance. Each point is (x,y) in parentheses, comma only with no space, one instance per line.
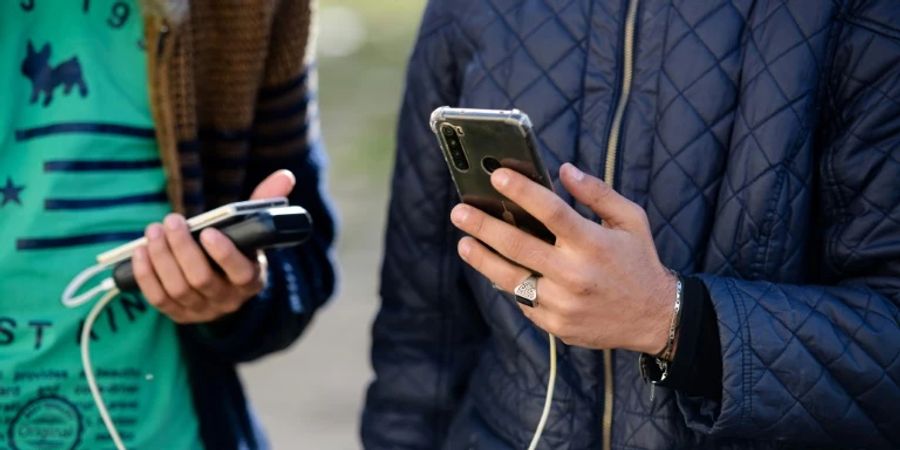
(70,300)
(548,400)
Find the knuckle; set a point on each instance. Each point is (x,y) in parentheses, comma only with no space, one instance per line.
(570,279)
(156,301)
(578,283)
(643,220)
(476,259)
(180,319)
(510,280)
(515,248)
(537,256)
(559,213)
(256,286)
(477,223)
(568,309)
(141,270)
(245,277)
(157,247)
(602,191)
(636,212)
(583,288)
(177,236)
(203,279)
(230,307)
(179,290)
(517,188)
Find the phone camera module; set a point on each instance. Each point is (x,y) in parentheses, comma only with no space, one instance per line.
(455,148)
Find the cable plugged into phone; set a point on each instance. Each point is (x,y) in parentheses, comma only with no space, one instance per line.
(251,226)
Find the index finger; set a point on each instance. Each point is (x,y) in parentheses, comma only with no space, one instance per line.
(561,219)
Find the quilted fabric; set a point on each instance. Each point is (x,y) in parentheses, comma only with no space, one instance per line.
(763,140)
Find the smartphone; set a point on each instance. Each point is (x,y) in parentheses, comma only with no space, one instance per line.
(220,216)
(475,143)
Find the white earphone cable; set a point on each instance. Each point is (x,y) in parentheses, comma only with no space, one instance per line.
(548,400)
(89,369)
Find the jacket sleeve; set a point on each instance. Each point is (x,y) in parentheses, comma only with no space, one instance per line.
(821,364)
(285,136)
(426,335)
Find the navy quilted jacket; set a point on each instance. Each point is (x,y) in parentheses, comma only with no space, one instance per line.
(763,140)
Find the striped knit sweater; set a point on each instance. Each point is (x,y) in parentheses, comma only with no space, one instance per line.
(232,92)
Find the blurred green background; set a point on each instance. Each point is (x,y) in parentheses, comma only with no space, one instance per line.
(310,396)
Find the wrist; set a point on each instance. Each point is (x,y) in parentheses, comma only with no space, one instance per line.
(659,314)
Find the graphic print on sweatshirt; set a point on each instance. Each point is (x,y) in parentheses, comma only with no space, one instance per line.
(46,78)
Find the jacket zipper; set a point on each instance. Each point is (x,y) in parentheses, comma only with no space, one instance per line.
(612,149)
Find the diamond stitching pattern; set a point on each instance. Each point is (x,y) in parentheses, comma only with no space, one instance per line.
(731,161)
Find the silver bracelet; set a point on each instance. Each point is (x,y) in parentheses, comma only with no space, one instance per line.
(664,357)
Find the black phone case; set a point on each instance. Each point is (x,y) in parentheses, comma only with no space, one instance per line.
(487,136)
(277,227)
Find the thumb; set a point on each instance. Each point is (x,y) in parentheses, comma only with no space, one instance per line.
(615,210)
(279,184)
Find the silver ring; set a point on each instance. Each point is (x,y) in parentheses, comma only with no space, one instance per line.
(526,291)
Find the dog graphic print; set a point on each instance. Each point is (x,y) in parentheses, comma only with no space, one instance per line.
(45,78)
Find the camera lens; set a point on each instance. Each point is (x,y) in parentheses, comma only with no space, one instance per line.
(461,162)
(448,130)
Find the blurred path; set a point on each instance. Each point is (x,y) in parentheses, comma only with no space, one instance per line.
(310,396)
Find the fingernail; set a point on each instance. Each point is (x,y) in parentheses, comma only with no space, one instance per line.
(290,175)
(173,221)
(500,178)
(464,248)
(459,214)
(154,231)
(576,174)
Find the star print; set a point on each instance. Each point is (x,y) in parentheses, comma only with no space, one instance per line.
(11,192)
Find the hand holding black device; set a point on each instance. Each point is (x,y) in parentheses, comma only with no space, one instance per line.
(251,225)
(269,228)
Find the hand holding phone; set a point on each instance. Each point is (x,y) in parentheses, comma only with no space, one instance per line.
(592,276)
(475,143)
